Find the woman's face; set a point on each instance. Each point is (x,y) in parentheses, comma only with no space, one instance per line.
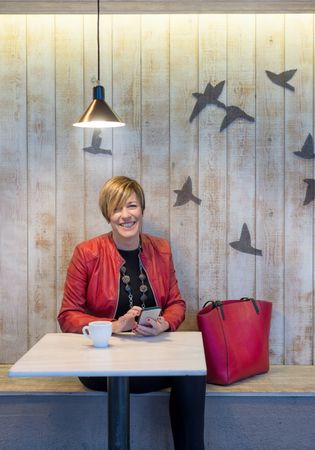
(126,223)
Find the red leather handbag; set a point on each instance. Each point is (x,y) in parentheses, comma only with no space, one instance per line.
(236,338)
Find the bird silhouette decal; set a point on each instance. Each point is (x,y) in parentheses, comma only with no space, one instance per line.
(310,191)
(244,244)
(307,151)
(233,113)
(184,195)
(281,79)
(209,97)
(95,147)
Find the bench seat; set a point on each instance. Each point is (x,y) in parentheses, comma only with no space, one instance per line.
(273,411)
(279,380)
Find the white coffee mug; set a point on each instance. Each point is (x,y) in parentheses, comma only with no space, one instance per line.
(99,332)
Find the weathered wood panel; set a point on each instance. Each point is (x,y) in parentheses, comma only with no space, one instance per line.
(241,153)
(247,173)
(155,6)
(126,96)
(270,174)
(41,176)
(69,142)
(184,156)
(155,159)
(299,305)
(212,162)
(13,188)
(98,167)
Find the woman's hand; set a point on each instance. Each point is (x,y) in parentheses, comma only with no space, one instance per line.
(127,321)
(154,327)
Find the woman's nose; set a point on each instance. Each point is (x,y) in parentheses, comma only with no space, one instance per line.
(125,212)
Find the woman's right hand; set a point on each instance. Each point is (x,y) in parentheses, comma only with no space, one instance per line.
(126,322)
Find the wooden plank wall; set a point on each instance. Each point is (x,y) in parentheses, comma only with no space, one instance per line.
(246,174)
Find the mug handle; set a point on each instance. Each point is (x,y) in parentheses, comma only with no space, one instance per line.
(85,331)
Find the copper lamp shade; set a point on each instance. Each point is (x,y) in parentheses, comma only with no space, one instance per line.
(99,114)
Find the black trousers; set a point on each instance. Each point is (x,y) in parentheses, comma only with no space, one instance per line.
(186,407)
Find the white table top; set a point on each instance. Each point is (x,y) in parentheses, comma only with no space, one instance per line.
(57,354)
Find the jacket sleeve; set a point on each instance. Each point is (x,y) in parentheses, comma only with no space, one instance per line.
(175,308)
(72,315)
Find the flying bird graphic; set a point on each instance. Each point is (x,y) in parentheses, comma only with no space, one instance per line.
(95,147)
(209,97)
(281,79)
(310,191)
(244,244)
(233,113)
(184,195)
(307,151)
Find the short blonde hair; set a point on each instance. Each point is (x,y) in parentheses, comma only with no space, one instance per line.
(115,192)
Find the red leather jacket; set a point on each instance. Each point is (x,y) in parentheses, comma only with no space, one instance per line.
(92,285)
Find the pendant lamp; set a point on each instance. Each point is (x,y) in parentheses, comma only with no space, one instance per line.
(99,114)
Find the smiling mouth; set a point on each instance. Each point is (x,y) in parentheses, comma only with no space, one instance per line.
(127,224)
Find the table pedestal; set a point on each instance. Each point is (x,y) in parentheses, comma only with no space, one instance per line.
(71,355)
(118,413)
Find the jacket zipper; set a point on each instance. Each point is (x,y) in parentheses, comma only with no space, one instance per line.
(118,289)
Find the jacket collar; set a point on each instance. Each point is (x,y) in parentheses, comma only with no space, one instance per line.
(143,246)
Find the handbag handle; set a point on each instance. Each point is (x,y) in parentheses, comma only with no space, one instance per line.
(254,303)
(216,304)
(219,304)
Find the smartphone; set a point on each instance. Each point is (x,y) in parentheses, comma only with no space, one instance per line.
(152,313)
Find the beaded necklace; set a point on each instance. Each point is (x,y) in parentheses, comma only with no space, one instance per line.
(125,278)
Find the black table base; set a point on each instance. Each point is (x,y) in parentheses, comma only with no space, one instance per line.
(118,413)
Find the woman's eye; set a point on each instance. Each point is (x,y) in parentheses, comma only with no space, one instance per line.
(133,205)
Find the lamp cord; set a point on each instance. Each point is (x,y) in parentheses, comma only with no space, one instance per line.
(98,42)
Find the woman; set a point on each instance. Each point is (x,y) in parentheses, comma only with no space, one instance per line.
(115,275)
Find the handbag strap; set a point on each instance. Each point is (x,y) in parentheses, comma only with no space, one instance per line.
(254,303)
(216,304)
(219,304)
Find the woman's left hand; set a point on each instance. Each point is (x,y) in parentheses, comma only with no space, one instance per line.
(154,327)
